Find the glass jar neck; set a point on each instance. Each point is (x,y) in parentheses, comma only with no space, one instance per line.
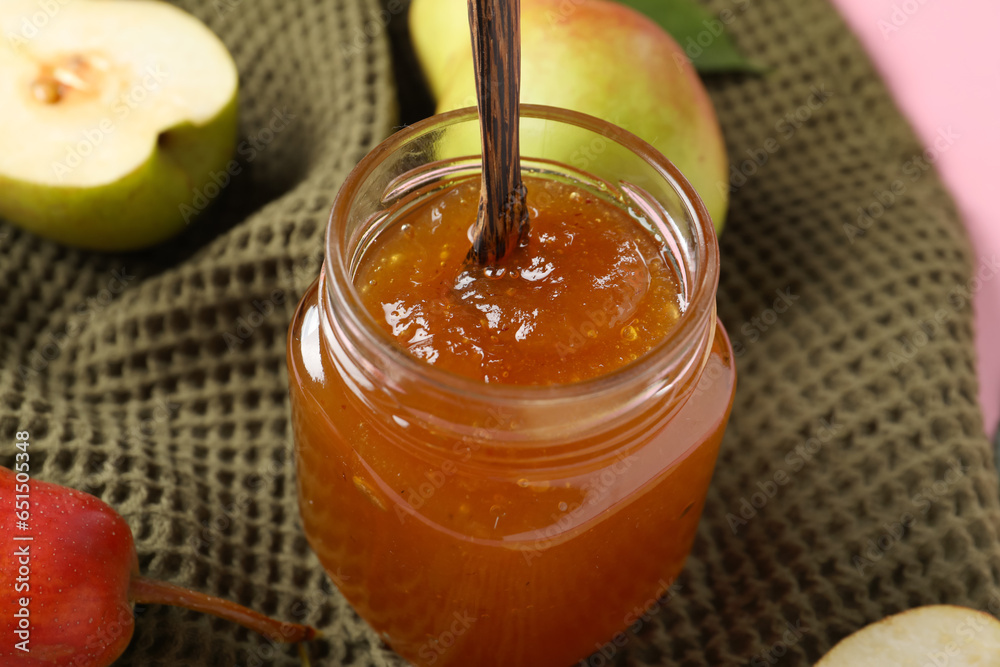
(489,423)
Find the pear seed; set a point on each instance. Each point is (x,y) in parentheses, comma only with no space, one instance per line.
(46,91)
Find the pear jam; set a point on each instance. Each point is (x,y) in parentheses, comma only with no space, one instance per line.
(588,290)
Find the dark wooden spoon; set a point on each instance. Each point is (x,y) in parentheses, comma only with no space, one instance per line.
(502,220)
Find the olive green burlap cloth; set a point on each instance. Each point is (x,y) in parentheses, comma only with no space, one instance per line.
(854,481)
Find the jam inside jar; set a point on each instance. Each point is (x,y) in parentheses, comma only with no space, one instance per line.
(477,518)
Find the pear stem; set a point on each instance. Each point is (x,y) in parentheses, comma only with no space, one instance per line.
(149,591)
(304,656)
(502,220)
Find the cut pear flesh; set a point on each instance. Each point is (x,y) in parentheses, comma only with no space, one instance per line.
(118,120)
(88,88)
(932,636)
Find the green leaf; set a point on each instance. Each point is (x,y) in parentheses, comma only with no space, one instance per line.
(700,34)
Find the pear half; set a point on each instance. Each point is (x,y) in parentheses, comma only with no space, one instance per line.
(114,117)
(932,636)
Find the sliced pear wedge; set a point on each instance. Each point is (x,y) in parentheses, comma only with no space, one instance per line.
(932,636)
(114,117)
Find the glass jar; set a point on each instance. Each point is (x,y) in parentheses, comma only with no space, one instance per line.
(483,524)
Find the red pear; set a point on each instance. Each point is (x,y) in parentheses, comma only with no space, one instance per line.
(70,576)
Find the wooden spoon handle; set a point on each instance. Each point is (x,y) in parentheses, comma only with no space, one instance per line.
(502,220)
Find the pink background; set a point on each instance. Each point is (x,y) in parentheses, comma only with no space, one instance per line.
(941,59)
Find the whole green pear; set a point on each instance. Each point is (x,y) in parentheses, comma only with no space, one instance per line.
(596,57)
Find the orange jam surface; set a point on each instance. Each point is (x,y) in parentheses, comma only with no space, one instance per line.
(587,292)
(458,560)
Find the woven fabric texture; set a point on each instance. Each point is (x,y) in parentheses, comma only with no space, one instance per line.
(854,480)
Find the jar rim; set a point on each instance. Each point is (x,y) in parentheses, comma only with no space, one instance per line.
(339,287)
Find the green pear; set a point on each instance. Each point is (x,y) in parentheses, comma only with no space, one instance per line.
(596,57)
(116,117)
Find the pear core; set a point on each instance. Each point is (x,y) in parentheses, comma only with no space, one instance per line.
(69,77)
